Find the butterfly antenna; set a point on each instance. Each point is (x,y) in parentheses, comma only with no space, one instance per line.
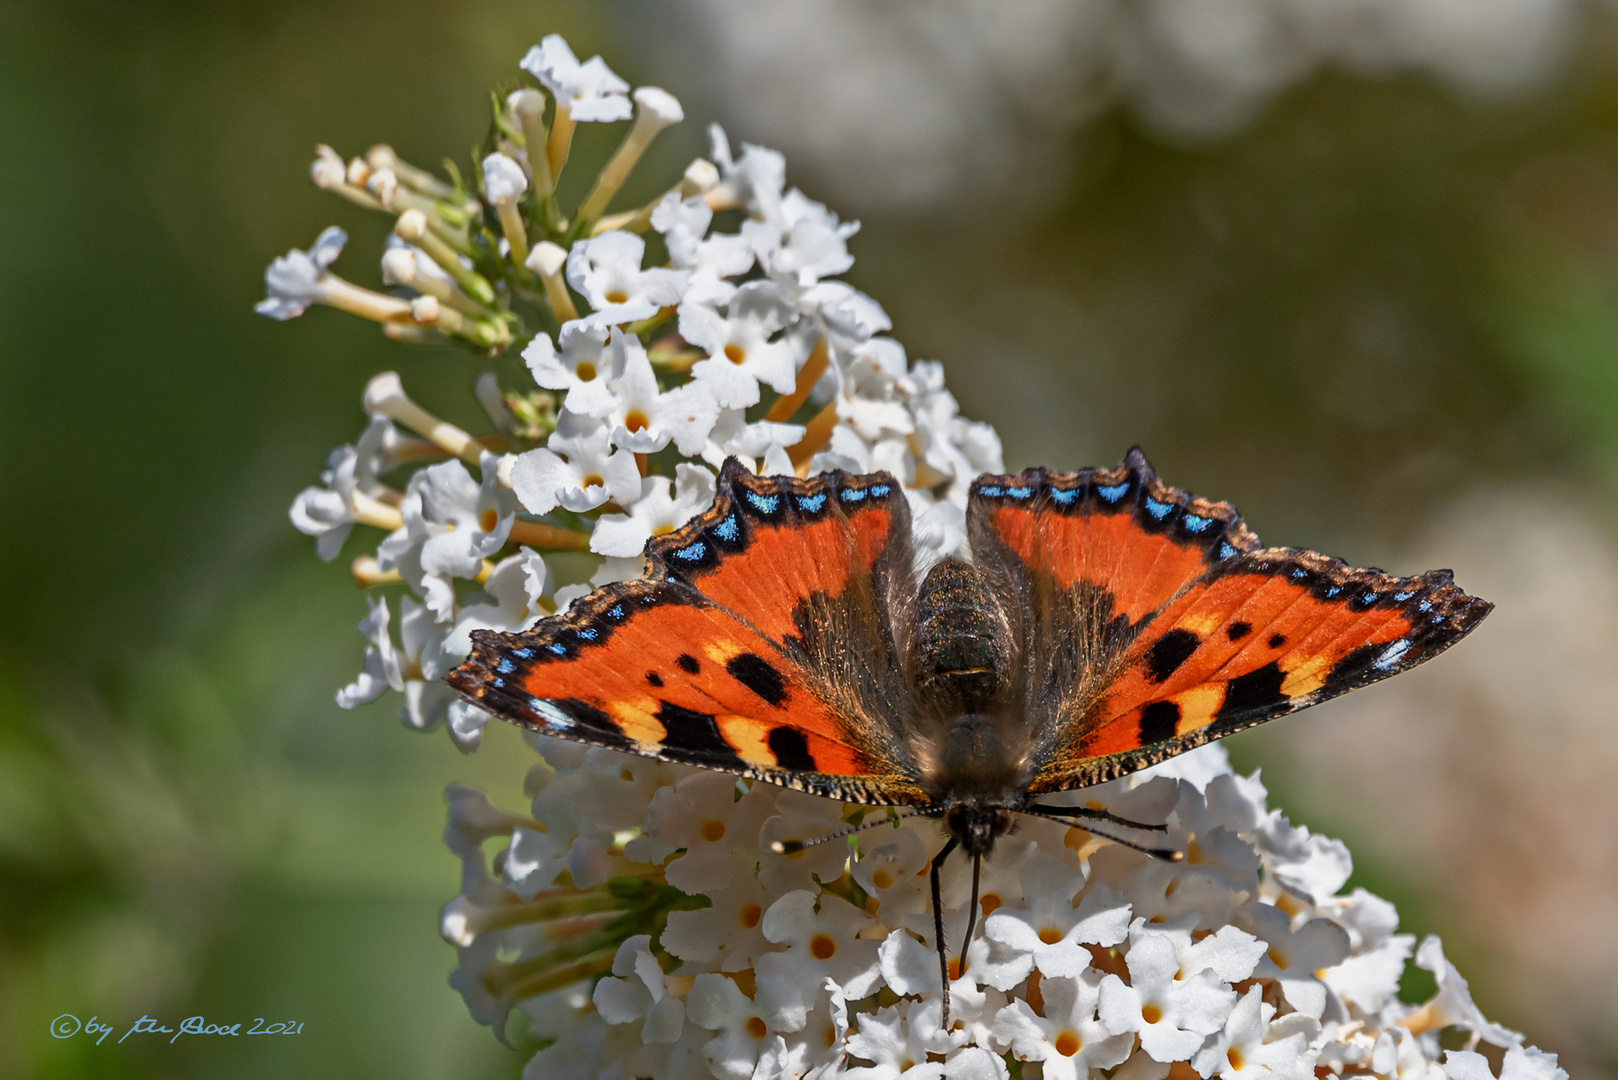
(1096,815)
(1166,854)
(938,924)
(792,847)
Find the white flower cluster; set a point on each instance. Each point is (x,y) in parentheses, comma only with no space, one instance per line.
(742,344)
(712,956)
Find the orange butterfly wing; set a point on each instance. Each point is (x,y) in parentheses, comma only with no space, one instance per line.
(757,642)
(1152,622)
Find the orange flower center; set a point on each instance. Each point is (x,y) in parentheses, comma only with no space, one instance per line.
(882,879)
(593,481)
(755,1027)
(617,296)
(749,916)
(712,830)
(1067,1043)
(586,371)
(489,519)
(1050,935)
(1151,1014)
(636,421)
(822,947)
(735,354)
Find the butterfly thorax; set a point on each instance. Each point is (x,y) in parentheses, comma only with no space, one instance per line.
(974,743)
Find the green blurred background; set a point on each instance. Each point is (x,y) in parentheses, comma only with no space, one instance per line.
(1374,301)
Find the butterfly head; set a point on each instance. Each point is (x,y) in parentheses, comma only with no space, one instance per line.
(978,826)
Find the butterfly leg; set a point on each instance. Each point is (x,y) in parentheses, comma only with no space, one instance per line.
(938,923)
(972,911)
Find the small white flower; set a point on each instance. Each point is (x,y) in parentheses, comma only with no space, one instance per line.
(847,316)
(761,445)
(804,243)
(741,346)
(588,91)
(710,259)
(1313,867)
(381,670)
(297,279)
(728,934)
(1521,1063)
(451,524)
(897,1040)
(1242,1052)
(1066,1037)
(583,368)
(745,1027)
(503,179)
(756,180)
(515,588)
(1369,977)
(1453,1003)
(889,870)
(606,271)
(644,419)
(1171,1014)
(577,469)
(640,992)
(820,945)
(428,701)
(1294,956)
(1399,1055)
(1049,929)
(655,513)
(327,513)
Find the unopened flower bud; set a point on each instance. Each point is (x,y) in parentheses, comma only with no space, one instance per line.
(424,309)
(327,171)
(411,226)
(358,172)
(384,184)
(658,108)
(701,176)
(547,259)
(385,394)
(503,179)
(399,266)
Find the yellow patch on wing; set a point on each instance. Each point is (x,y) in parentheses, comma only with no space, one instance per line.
(749,737)
(1304,673)
(638,720)
(1198,706)
(721,650)
(1201,624)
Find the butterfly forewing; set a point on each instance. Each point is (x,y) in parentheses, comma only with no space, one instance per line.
(757,643)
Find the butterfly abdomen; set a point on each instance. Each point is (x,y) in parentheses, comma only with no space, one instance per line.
(961,646)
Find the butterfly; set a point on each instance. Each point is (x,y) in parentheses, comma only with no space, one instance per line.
(1103,623)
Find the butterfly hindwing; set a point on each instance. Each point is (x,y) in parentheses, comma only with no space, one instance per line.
(757,642)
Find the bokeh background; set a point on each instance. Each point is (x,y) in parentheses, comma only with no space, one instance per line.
(1352,265)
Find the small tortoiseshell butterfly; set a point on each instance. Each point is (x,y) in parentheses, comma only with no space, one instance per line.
(1105,622)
